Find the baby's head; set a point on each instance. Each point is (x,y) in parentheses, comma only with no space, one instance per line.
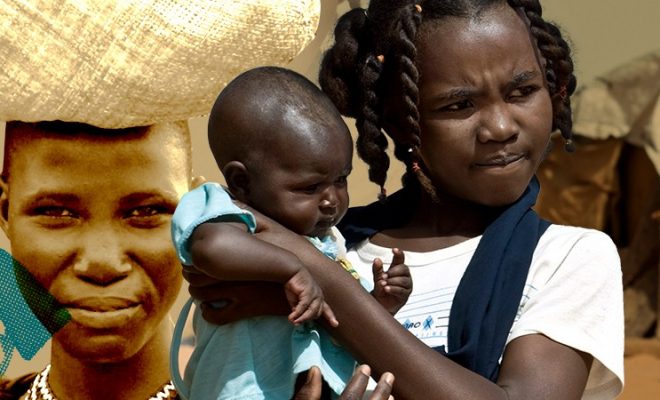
(283,148)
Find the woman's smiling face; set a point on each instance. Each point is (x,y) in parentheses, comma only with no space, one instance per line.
(485,111)
(90,219)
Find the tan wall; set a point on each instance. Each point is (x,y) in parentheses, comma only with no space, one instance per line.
(604,34)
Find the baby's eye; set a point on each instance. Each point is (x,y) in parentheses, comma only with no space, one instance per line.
(342,180)
(310,189)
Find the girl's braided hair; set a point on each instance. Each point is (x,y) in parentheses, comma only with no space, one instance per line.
(375,48)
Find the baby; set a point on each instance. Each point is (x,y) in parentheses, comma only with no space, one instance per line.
(285,151)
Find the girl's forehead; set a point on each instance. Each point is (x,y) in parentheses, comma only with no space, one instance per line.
(496,21)
(498,34)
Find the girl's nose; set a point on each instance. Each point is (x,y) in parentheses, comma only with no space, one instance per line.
(498,124)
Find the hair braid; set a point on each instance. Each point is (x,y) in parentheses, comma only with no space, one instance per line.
(371,141)
(409,21)
(338,75)
(408,78)
(407,26)
(559,69)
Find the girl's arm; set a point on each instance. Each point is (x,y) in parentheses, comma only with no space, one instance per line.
(226,251)
(533,367)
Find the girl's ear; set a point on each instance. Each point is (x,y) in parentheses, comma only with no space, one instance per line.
(238,180)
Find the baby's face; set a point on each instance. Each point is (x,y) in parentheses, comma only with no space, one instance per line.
(304,186)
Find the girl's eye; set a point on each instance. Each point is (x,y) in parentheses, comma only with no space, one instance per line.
(458,106)
(523,91)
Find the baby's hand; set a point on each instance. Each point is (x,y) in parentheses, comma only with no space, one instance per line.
(306,299)
(393,287)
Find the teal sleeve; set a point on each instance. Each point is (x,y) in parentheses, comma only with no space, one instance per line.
(209,202)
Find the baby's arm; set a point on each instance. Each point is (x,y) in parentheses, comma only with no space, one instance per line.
(392,288)
(226,251)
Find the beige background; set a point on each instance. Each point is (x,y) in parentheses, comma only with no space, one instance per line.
(604,34)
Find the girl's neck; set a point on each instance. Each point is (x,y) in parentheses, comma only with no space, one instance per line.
(437,225)
(137,378)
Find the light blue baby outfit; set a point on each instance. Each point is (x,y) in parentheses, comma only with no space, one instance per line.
(256,358)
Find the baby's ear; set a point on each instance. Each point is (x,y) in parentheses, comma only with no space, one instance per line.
(4,204)
(238,180)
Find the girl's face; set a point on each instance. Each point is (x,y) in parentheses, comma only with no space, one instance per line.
(485,110)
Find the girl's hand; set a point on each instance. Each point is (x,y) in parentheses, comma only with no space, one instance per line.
(392,288)
(224,302)
(355,389)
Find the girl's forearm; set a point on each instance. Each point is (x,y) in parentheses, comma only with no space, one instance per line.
(371,335)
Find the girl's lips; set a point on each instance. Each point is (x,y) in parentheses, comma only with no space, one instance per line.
(500,160)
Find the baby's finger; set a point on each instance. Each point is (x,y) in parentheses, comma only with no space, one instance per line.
(397,291)
(377,267)
(299,310)
(313,311)
(398,270)
(329,315)
(401,281)
(398,257)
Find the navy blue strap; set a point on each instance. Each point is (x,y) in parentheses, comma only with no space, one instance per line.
(478,324)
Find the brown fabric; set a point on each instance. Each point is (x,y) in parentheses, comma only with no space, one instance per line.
(580,188)
(623,103)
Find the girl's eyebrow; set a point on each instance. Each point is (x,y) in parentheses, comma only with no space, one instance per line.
(523,77)
(456,94)
(460,93)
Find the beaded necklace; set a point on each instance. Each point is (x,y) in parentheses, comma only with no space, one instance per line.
(40,390)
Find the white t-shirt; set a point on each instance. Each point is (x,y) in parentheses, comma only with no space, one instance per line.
(573,295)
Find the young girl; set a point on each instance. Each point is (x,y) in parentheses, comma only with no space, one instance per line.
(469,92)
(285,151)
